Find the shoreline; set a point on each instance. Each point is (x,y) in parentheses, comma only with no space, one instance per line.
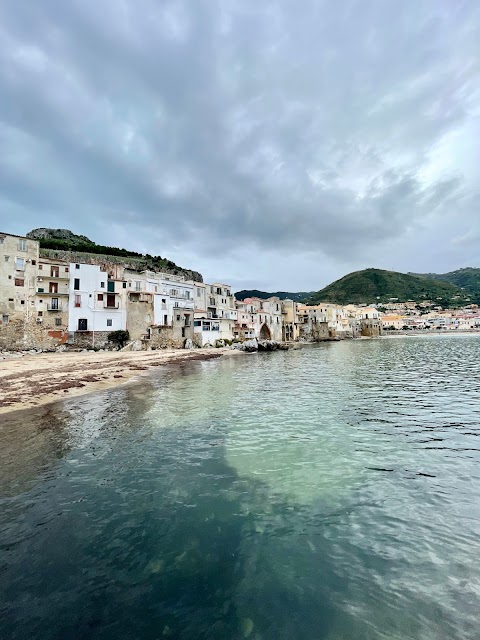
(39,379)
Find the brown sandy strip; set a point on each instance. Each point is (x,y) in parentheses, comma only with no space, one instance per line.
(36,380)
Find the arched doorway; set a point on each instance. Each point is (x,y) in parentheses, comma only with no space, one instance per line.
(265,333)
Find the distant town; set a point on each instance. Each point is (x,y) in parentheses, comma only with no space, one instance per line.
(50,303)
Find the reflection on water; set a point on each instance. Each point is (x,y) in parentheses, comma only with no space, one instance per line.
(327,493)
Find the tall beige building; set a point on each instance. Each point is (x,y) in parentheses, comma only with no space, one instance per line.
(18,265)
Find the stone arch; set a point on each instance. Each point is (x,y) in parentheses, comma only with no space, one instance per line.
(265,333)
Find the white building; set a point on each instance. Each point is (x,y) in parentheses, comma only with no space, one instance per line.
(95,300)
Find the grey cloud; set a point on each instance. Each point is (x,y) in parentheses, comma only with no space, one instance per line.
(217,123)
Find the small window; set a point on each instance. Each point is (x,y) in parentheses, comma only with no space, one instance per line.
(4,317)
(58,322)
(102,285)
(77,266)
(7,258)
(164,300)
(100,297)
(124,284)
(40,314)
(11,300)
(76,284)
(22,245)
(34,262)
(22,301)
(178,318)
(67,269)
(109,322)
(40,267)
(19,282)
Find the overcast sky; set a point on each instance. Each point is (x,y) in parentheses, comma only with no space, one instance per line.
(275,145)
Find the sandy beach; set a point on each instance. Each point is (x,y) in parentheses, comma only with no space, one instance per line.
(38,379)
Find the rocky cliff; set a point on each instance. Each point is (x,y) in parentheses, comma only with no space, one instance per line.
(63,244)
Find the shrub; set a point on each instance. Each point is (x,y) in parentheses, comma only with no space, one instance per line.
(119,338)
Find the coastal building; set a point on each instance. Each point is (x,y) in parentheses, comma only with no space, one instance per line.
(18,266)
(262,318)
(290,320)
(370,322)
(393,321)
(313,322)
(217,320)
(96,305)
(52,297)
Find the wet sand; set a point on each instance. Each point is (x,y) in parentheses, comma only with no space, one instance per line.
(39,379)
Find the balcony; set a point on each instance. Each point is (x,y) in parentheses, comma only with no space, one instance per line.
(56,278)
(115,305)
(55,307)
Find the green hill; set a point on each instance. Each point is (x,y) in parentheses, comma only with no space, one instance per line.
(57,242)
(467,278)
(263,295)
(376,286)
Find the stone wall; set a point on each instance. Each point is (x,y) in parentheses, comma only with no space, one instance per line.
(84,340)
(162,337)
(21,334)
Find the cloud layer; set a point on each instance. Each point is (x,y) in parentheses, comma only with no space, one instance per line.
(272,143)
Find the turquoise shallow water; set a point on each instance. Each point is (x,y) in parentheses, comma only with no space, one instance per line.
(331,492)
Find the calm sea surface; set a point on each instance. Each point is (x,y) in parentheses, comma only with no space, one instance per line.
(331,492)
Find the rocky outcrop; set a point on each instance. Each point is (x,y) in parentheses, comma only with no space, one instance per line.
(260,345)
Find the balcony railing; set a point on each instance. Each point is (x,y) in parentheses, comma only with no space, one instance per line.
(115,305)
(55,307)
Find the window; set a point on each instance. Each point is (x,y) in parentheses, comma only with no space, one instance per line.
(22,245)
(54,272)
(111,286)
(11,300)
(124,284)
(4,317)
(40,314)
(67,269)
(178,318)
(40,290)
(40,267)
(109,322)
(199,292)
(19,282)
(20,264)
(1,242)
(53,287)
(102,285)
(58,322)
(76,284)
(34,262)
(78,300)
(82,324)
(22,301)
(138,286)
(100,297)
(77,266)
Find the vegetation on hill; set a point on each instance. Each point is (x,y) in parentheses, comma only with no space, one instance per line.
(376,286)
(263,295)
(467,278)
(65,240)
